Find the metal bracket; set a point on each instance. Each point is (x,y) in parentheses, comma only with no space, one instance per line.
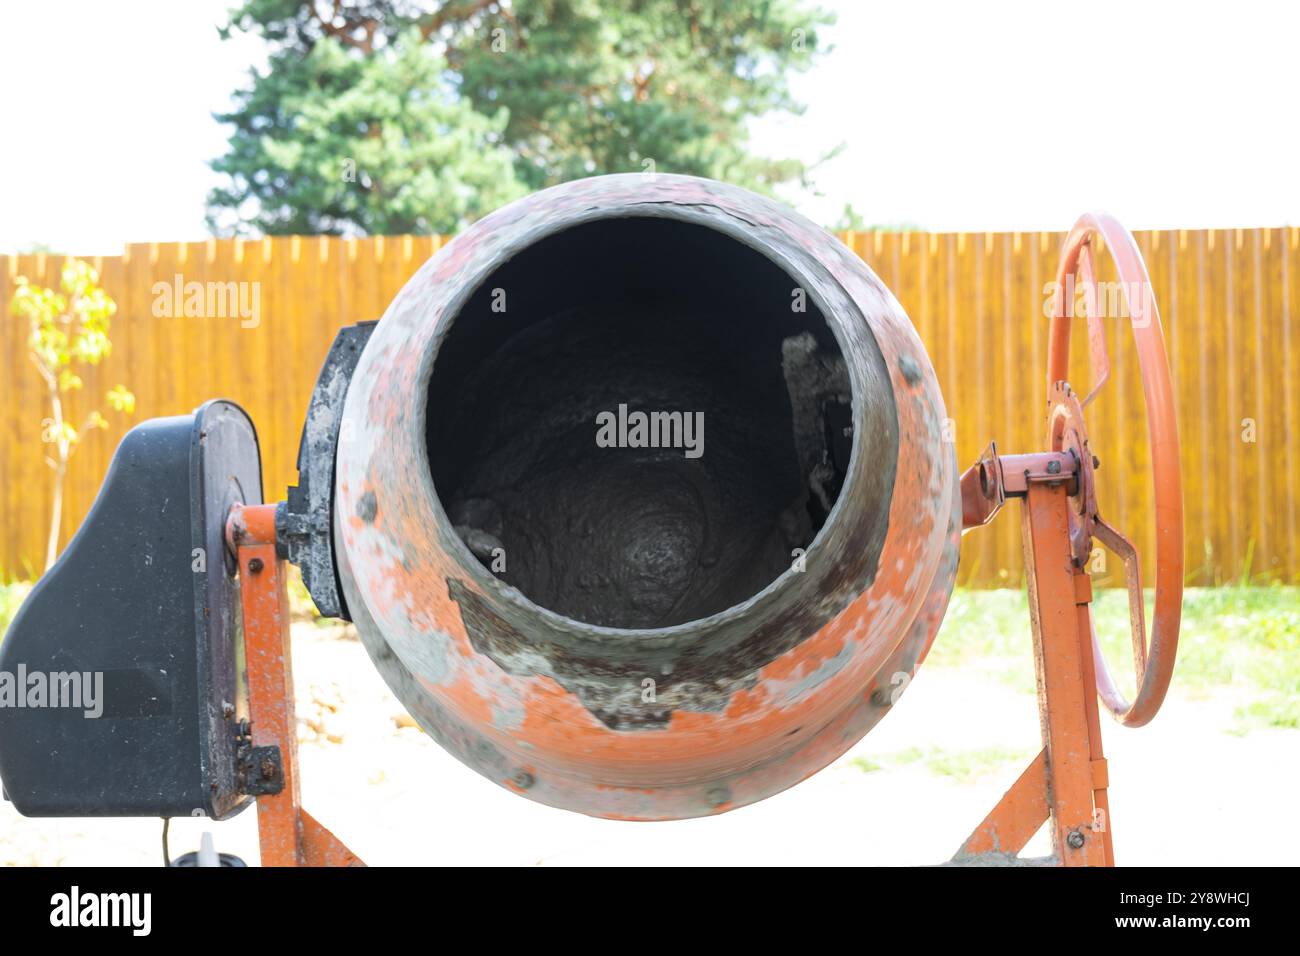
(982,491)
(304,523)
(261,769)
(987,484)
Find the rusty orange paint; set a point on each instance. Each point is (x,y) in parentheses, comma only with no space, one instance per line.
(1066,784)
(287,835)
(1016,818)
(1068,695)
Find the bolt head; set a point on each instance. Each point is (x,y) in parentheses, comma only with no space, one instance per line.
(1075,839)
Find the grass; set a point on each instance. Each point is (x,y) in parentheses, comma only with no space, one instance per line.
(1246,639)
(964,765)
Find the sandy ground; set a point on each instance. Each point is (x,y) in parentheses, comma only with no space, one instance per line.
(1189,790)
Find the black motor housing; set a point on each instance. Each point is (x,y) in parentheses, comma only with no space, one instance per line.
(143,602)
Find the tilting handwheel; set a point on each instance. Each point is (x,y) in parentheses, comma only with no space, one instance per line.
(1154,663)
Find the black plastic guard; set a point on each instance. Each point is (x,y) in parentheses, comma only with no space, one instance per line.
(144,602)
(305,522)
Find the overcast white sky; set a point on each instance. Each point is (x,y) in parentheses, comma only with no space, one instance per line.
(954,116)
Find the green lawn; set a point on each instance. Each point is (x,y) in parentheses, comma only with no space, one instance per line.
(1242,638)
(963,765)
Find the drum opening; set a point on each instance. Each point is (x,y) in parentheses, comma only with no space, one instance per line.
(639,422)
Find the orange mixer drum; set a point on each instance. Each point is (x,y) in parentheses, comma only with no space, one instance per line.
(644,507)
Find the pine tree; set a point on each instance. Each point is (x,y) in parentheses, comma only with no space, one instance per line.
(394,116)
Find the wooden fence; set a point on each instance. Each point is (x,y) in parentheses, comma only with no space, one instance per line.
(1230,301)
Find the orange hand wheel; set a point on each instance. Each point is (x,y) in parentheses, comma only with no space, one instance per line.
(1154,664)
(1067,783)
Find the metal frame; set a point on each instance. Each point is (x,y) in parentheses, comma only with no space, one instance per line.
(1066,783)
(287,834)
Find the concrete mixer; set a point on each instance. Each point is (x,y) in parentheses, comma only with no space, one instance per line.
(640,500)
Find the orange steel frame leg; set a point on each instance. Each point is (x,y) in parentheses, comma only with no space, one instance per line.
(287,834)
(1066,783)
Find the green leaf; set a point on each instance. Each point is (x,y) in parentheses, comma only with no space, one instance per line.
(121,399)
